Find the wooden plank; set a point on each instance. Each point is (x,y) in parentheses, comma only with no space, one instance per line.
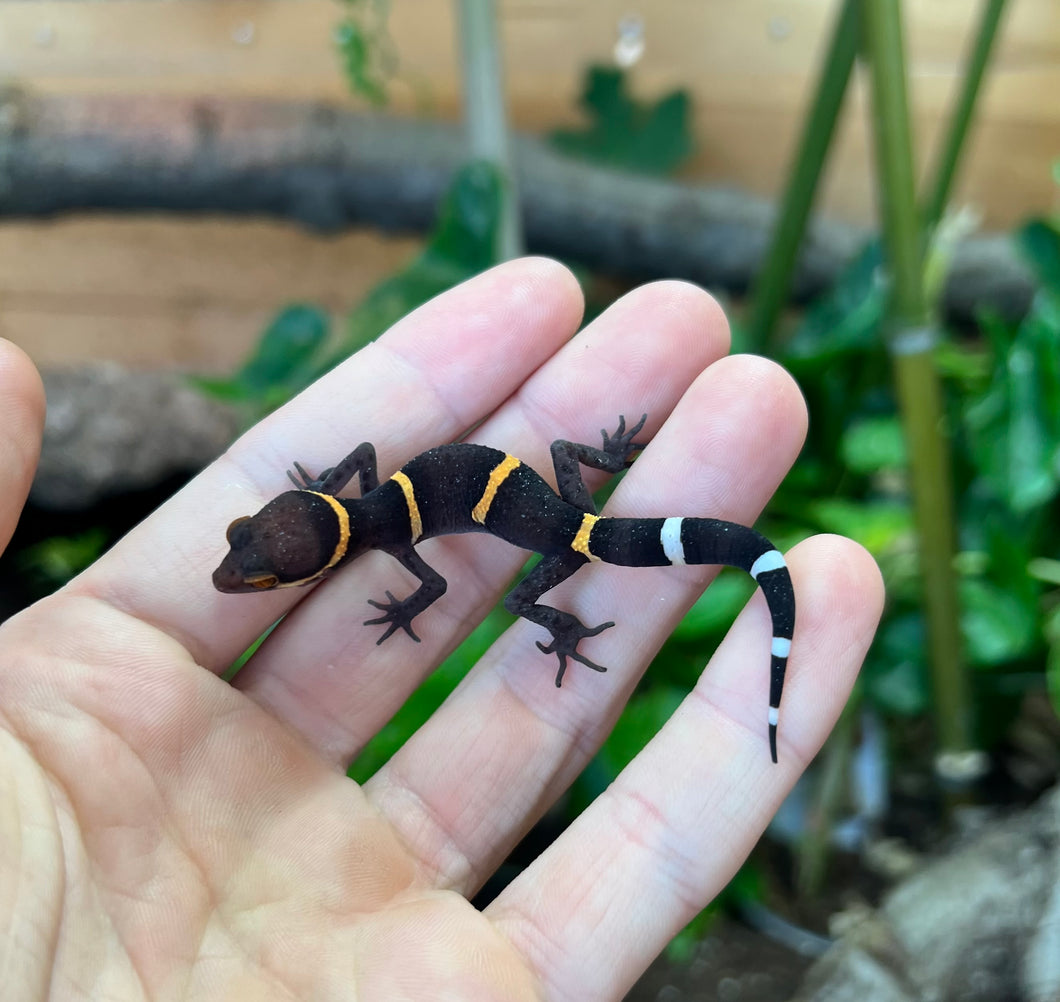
(192,293)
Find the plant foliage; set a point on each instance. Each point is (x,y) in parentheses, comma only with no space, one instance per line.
(297,346)
(366,52)
(649,138)
(1004,413)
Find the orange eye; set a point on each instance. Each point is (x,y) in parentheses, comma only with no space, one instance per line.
(264,582)
(235,523)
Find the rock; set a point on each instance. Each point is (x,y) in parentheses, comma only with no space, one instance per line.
(110,430)
(983,923)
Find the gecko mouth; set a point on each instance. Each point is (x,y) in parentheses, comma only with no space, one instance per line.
(229,580)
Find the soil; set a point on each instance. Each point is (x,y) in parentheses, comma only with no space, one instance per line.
(733,963)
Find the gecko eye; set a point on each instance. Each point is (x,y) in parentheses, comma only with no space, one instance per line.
(235,525)
(262,581)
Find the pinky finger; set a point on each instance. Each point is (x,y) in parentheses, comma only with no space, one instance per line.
(665,838)
(21,426)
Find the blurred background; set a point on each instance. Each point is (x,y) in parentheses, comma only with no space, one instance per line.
(204,286)
(203,206)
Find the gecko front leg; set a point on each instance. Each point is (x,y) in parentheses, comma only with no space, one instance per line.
(399,613)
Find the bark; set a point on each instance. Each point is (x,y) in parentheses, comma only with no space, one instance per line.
(331,168)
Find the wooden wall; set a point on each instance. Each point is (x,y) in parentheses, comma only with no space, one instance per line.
(200,289)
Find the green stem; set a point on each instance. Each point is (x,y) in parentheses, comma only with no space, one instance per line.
(485,111)
(774,279)
(892,133)
(910,339)
(833,774)
(950,152)
(920,402)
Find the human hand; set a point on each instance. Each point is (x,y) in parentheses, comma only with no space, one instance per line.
(164,834)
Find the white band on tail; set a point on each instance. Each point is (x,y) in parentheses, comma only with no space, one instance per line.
(670,537)
(781,647)
(774,715)
(771,560)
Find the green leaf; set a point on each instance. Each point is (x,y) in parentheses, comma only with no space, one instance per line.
(289,356)
(225,389)
(1039,242)
(463,243)
(716,608)
(365,49)
(643,718)
(1044,569)
(649,138)
(287,349)
(1014,426)
(283,362)
(895,671)
(999,546)
(997,627)
(967,365)
(241,662)
(1052,661)
(878,525)
(52,562)
(464,238)
(848,318)
(874,444)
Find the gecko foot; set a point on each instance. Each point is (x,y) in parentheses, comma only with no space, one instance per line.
(397,614)
(621,445)
(565,645)
(306,482)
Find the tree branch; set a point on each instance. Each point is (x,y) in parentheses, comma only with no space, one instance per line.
(329,168)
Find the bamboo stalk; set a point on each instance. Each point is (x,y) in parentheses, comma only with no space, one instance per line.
(892,134)
(485,113)
(911,339)
(774,279)
(960,120)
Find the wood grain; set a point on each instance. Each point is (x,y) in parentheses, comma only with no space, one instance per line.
(159,291)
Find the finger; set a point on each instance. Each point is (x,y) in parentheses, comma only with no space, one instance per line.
(470,782)
(672,830)
(342,688)
(21,426)
(431,376)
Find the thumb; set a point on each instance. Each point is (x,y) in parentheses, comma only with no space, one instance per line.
(21,425)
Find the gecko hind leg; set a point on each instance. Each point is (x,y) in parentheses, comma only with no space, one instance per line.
(566,629)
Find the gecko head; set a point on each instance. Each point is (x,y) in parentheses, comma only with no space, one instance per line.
(294,540)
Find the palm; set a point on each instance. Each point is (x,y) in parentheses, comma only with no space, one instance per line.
(166,835)
(206,848)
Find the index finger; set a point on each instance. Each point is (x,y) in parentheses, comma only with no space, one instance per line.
(433,375)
